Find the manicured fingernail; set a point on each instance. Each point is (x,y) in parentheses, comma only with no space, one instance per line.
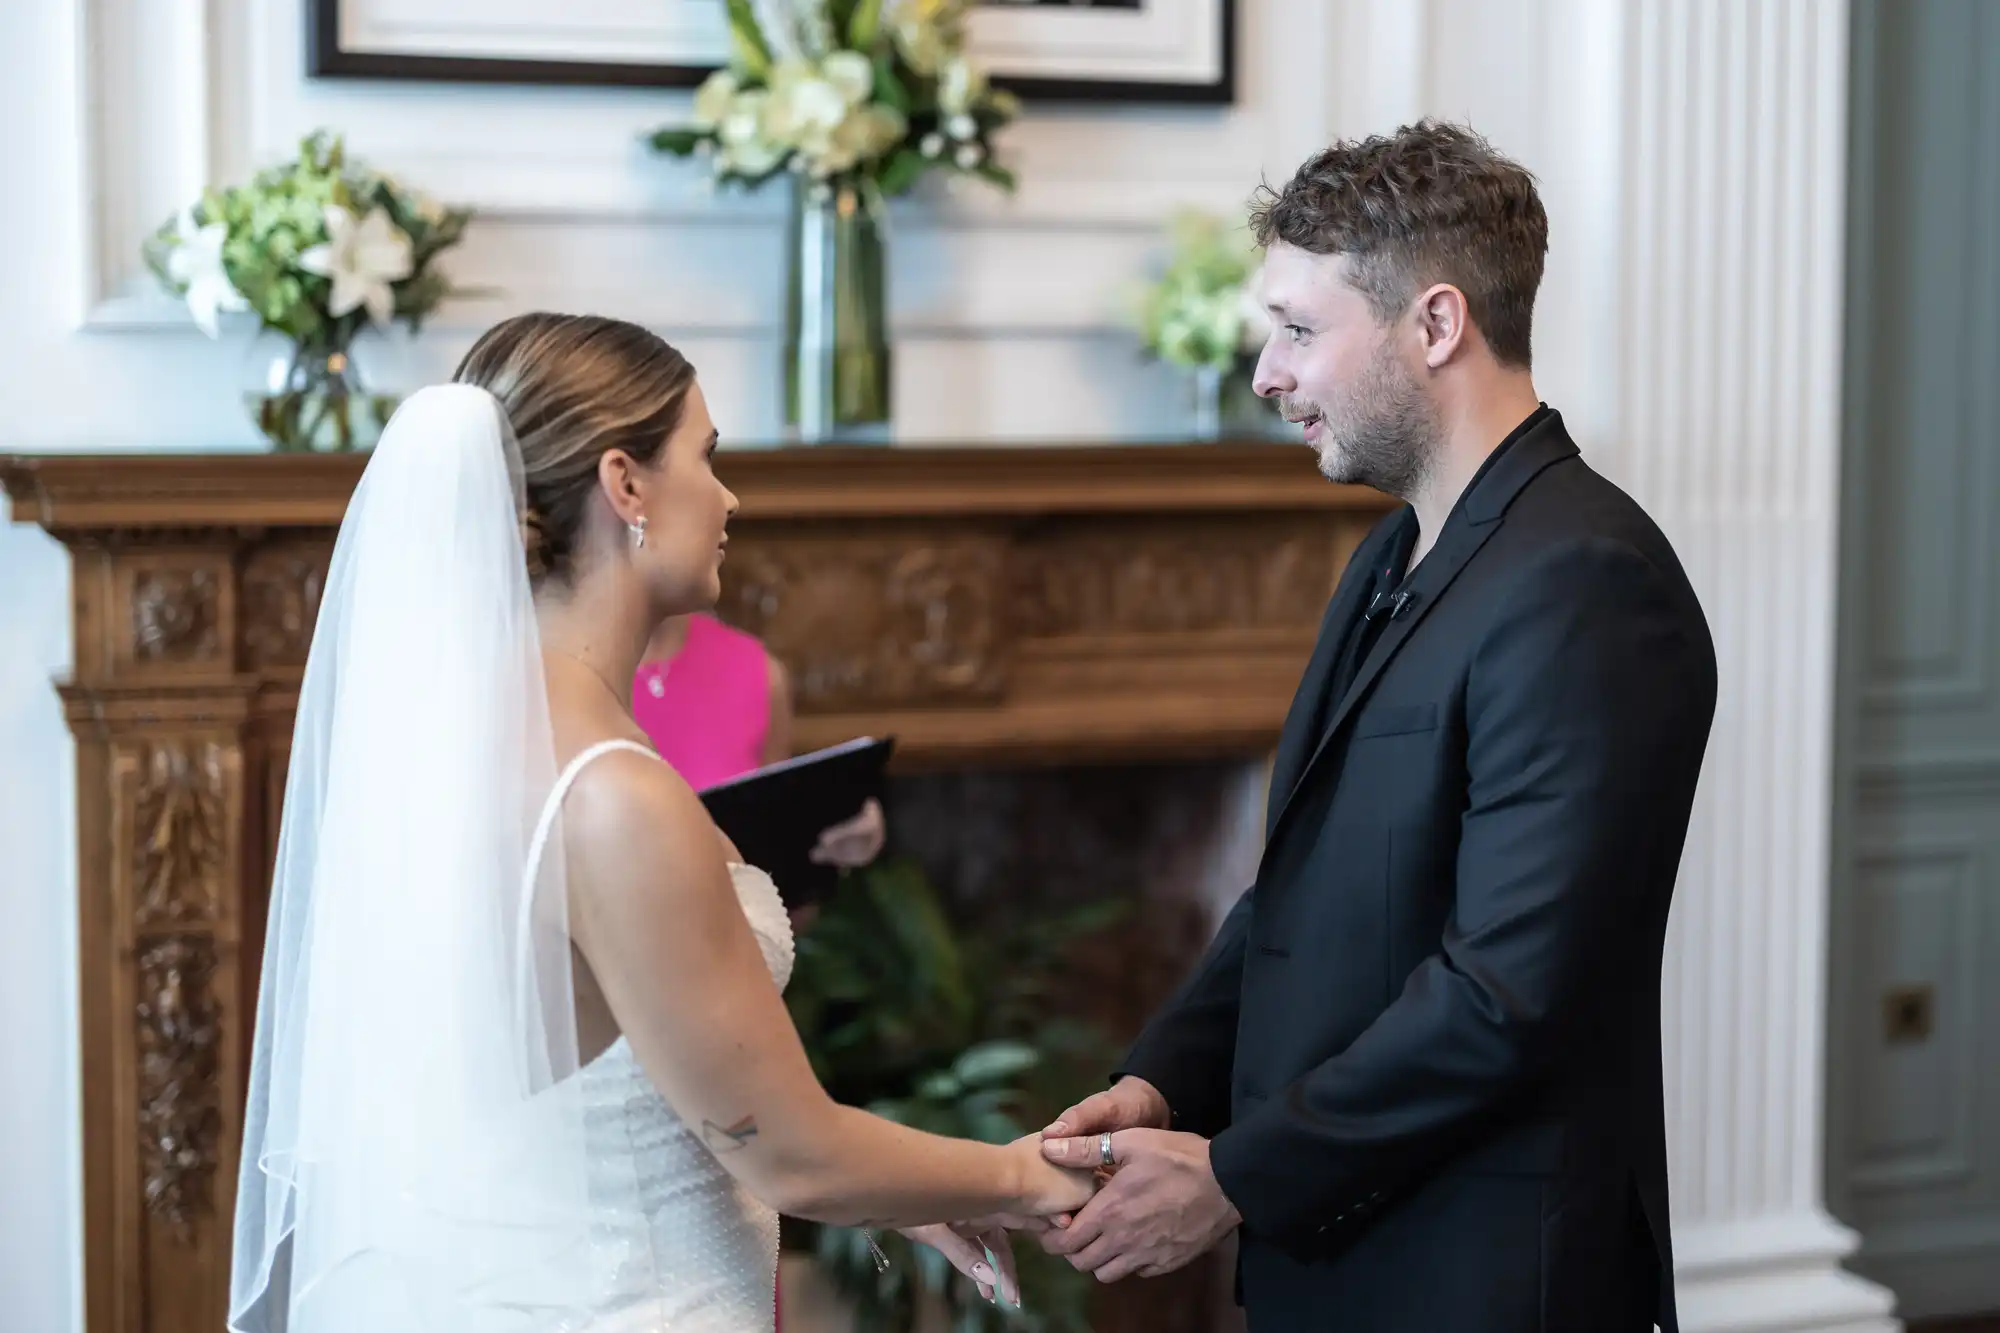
(981,1273)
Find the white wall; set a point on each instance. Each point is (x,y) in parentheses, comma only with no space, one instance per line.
(130,104)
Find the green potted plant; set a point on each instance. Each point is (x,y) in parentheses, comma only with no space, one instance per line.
(953,1035)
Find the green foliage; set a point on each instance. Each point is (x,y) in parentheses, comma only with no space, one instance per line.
(746,40)
(863,25)
(1192,315)
(954,1034)
(678,142)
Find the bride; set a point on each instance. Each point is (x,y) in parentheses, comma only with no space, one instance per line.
(522,1062)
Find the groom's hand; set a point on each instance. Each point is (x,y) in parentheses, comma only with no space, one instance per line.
(1160,1209)
(1130,1103)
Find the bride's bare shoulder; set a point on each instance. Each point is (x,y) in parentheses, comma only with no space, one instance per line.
(631,812)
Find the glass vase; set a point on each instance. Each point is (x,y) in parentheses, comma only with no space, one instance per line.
(313,400)
(1205,386)
(836,346)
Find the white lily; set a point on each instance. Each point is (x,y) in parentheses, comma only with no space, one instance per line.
(712,100)
(196,264)
(746,148)
(851,74)
(959,86)
(805,107)
(363,257)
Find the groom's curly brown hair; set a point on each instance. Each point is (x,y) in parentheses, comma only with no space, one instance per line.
(1433,202)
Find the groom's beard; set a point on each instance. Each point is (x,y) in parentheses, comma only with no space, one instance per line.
(1383,431)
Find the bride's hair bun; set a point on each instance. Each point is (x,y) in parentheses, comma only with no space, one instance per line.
(535,540)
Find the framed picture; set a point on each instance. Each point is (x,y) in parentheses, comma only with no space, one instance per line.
(1177,51)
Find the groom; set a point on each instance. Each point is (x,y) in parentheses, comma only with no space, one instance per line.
(1419,1067)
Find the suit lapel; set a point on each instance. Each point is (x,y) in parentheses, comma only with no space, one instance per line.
(1296,740)
(1425,585)
(1477,517)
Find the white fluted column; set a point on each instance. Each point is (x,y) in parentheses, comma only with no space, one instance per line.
(1727,430)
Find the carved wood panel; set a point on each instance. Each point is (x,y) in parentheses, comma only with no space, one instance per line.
(179,1019)
(180,816)
(176,614)
(282,584)
(900,618)
(1152,576)
(179,828)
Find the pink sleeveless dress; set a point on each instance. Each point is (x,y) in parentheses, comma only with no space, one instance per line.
(708,709)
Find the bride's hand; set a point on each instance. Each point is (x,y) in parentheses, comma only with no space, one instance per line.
(983,1254)
(1051,1191)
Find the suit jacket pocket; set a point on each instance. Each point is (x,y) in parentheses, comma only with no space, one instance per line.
(1396,720)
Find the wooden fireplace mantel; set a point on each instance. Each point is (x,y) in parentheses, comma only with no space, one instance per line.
(986,605)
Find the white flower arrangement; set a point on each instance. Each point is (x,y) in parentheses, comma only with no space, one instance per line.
(1200,311)
(845,91)
(317,248)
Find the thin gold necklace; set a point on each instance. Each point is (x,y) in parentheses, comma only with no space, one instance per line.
(593,671)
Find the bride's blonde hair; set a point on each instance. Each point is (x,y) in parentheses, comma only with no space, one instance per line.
(574,386)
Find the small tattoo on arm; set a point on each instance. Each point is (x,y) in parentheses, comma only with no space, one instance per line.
(729,1138)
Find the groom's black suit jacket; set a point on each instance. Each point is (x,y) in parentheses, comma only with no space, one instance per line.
(1426,1042)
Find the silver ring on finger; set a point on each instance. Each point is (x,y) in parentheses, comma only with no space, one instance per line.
(1104,1148)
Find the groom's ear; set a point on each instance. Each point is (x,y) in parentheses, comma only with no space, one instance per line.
(1444,323)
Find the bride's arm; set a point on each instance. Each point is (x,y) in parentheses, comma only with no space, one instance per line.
(654,914)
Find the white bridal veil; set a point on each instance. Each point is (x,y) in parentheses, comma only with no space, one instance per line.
(414,1151)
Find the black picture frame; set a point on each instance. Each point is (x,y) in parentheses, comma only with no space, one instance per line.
(326,60)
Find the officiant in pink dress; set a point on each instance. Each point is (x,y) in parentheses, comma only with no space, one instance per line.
(716,705)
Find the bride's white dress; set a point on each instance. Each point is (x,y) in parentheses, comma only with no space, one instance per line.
(714,1246)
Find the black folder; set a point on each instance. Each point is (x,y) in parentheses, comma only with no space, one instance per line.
(775,815)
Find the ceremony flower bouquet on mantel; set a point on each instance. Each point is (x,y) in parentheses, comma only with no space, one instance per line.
(1200,314)
(853,102)
(320,249)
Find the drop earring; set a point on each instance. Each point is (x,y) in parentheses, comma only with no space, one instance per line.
(638,531)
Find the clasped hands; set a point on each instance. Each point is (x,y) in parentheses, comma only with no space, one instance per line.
(1156,1208)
